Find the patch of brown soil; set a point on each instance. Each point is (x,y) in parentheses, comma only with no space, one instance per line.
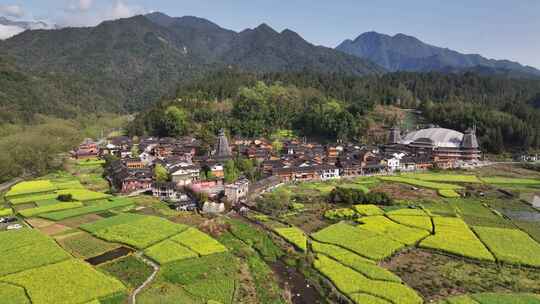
(54,229)
(39,222)
(188,218)
(80,220)
(405,192)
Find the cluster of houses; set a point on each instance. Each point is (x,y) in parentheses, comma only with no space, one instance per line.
(298,160)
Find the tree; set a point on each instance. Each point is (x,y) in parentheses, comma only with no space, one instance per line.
(160,173)
(175,121)
(135,151)
(231,172)
(277,146)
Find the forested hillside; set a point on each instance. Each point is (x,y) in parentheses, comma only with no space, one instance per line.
(127,64)
(339,107)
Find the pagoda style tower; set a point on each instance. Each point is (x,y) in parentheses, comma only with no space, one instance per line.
(394,136)
(469,145)
(223,150)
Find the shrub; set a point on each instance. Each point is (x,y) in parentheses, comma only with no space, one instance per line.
(356,196)
(340,214)
(65,197)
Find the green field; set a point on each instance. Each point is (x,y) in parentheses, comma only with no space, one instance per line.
(129,270)
(494,298)
(420,183)
(452,235)
(510,181)
(139,232)
(351,282)
(198,242)
(26,249)
(366,243)
(31,187)
(356,262)
(384,226)
(32,198)
(368,210)
(169,251)
(294,236)
(15,294)
(49,208)
(421,222)
(448,193)
(5,212)
(84,194)
(95,208)
(85,246)
(63,282)
(444,178)
(90,162)
(197,280)
(510,245)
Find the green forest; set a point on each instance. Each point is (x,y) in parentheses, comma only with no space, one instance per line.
(331,106)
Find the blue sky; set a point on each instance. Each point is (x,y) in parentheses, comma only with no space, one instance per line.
(494,28)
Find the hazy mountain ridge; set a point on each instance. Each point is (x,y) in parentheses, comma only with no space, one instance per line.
(135,61)
(407,53)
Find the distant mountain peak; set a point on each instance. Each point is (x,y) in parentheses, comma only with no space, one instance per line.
(265,27)
(403,52)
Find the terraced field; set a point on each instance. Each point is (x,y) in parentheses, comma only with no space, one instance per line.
(34,269)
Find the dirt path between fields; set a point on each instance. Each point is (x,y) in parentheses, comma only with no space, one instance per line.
(132,299)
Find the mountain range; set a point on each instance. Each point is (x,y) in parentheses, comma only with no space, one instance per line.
(137,60)
(406,53)
(128,64)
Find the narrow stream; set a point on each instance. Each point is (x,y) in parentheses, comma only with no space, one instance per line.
(301,289)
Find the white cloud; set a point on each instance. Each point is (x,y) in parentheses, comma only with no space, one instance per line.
(123,10)
(11,11)
(88,14)
(80,5)
(8,31)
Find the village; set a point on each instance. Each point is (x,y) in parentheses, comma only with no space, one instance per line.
(291,221)
(133,170)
